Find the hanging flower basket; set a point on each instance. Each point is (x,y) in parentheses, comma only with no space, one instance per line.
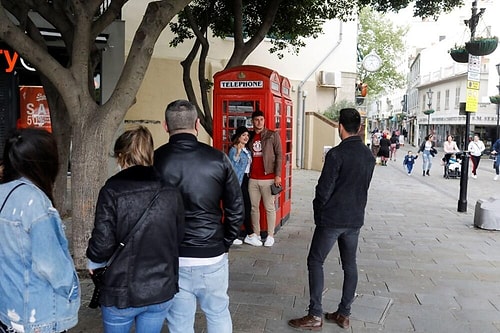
(482,46)
(459,54)
(495,99)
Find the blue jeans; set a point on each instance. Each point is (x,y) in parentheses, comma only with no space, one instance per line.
(409,167)
(147,319)
(208,285)
(322,243)
(426,160)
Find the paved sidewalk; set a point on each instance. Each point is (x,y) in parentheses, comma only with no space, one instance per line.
(423,266)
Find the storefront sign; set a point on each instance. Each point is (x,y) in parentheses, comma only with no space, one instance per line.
(11,59)
(34,109)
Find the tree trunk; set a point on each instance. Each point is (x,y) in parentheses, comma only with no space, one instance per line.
(61,128)
(89,165)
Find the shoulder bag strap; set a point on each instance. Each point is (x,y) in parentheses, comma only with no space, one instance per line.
(136,227)
(8,195)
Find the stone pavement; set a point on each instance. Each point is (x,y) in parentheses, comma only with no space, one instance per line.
(423,267)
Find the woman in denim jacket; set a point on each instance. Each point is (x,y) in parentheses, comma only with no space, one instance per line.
(39,289)
(241,159)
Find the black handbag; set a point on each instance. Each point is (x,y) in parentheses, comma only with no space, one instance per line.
(99,273)
(276,189)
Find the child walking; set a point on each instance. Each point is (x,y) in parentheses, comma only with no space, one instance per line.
(409,161)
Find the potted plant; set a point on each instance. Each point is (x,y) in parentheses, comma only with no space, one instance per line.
(495,99)
(482,46)
(459,54)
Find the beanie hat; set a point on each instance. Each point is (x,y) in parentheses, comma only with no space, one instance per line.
(239,131)
(257,113)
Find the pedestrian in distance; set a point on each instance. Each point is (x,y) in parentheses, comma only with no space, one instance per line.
(394,145)
(214,212)
(428,152)
(339,209)
(454,164)
(241,159)
(375,142)
(139,285)
(495,150)
(409,161)
(449,147)
(384,149)
(476,148)
(266,170)
(39,288)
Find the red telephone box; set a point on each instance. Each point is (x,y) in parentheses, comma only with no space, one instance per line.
(237,93)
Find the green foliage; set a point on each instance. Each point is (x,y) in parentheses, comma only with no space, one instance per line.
(286,24)
(333,110)
(294,21)
(422,8)
(379,34)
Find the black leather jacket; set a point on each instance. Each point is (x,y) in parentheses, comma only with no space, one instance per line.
(212,195)
(146,270)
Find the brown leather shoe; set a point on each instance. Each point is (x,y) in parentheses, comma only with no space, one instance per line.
(309,322)
(337,318)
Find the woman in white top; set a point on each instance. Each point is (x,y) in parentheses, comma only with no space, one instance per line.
(450,146)
(476,148)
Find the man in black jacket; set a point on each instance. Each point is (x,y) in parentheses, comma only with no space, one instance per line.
(339,210)
(206,179)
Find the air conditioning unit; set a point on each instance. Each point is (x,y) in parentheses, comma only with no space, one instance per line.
(330,79)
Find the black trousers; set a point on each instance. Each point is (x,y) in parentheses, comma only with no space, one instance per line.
(247,223)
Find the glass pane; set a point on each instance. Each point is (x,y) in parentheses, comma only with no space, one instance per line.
(241,106)
(277,114)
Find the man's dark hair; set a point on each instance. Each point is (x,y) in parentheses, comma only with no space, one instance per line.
(350,119)
(257,113)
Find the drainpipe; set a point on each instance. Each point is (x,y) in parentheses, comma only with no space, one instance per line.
(301,128)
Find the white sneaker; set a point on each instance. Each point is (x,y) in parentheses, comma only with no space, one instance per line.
(269,241)
(253,240)
(474,176)
(237,241)
(495,178)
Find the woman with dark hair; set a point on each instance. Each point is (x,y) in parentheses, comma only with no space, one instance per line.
(394,145)
(39,288)
(142,280)
(383,151)
(428,151)
(241,159)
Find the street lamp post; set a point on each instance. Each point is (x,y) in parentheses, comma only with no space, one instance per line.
(498,105)
(429,111)
(464,174)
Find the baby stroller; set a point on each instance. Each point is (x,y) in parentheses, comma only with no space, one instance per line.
(452,168)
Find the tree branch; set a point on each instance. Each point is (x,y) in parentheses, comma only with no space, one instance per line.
(158,14)
(34,53)
(111,14)
(238,24)
(241,52)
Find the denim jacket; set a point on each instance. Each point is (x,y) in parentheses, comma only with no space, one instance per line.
(39,288)
(241,163)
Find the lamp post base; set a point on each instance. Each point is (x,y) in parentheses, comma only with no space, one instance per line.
(462,206)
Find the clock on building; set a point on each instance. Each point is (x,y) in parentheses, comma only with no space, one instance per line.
(372,62)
